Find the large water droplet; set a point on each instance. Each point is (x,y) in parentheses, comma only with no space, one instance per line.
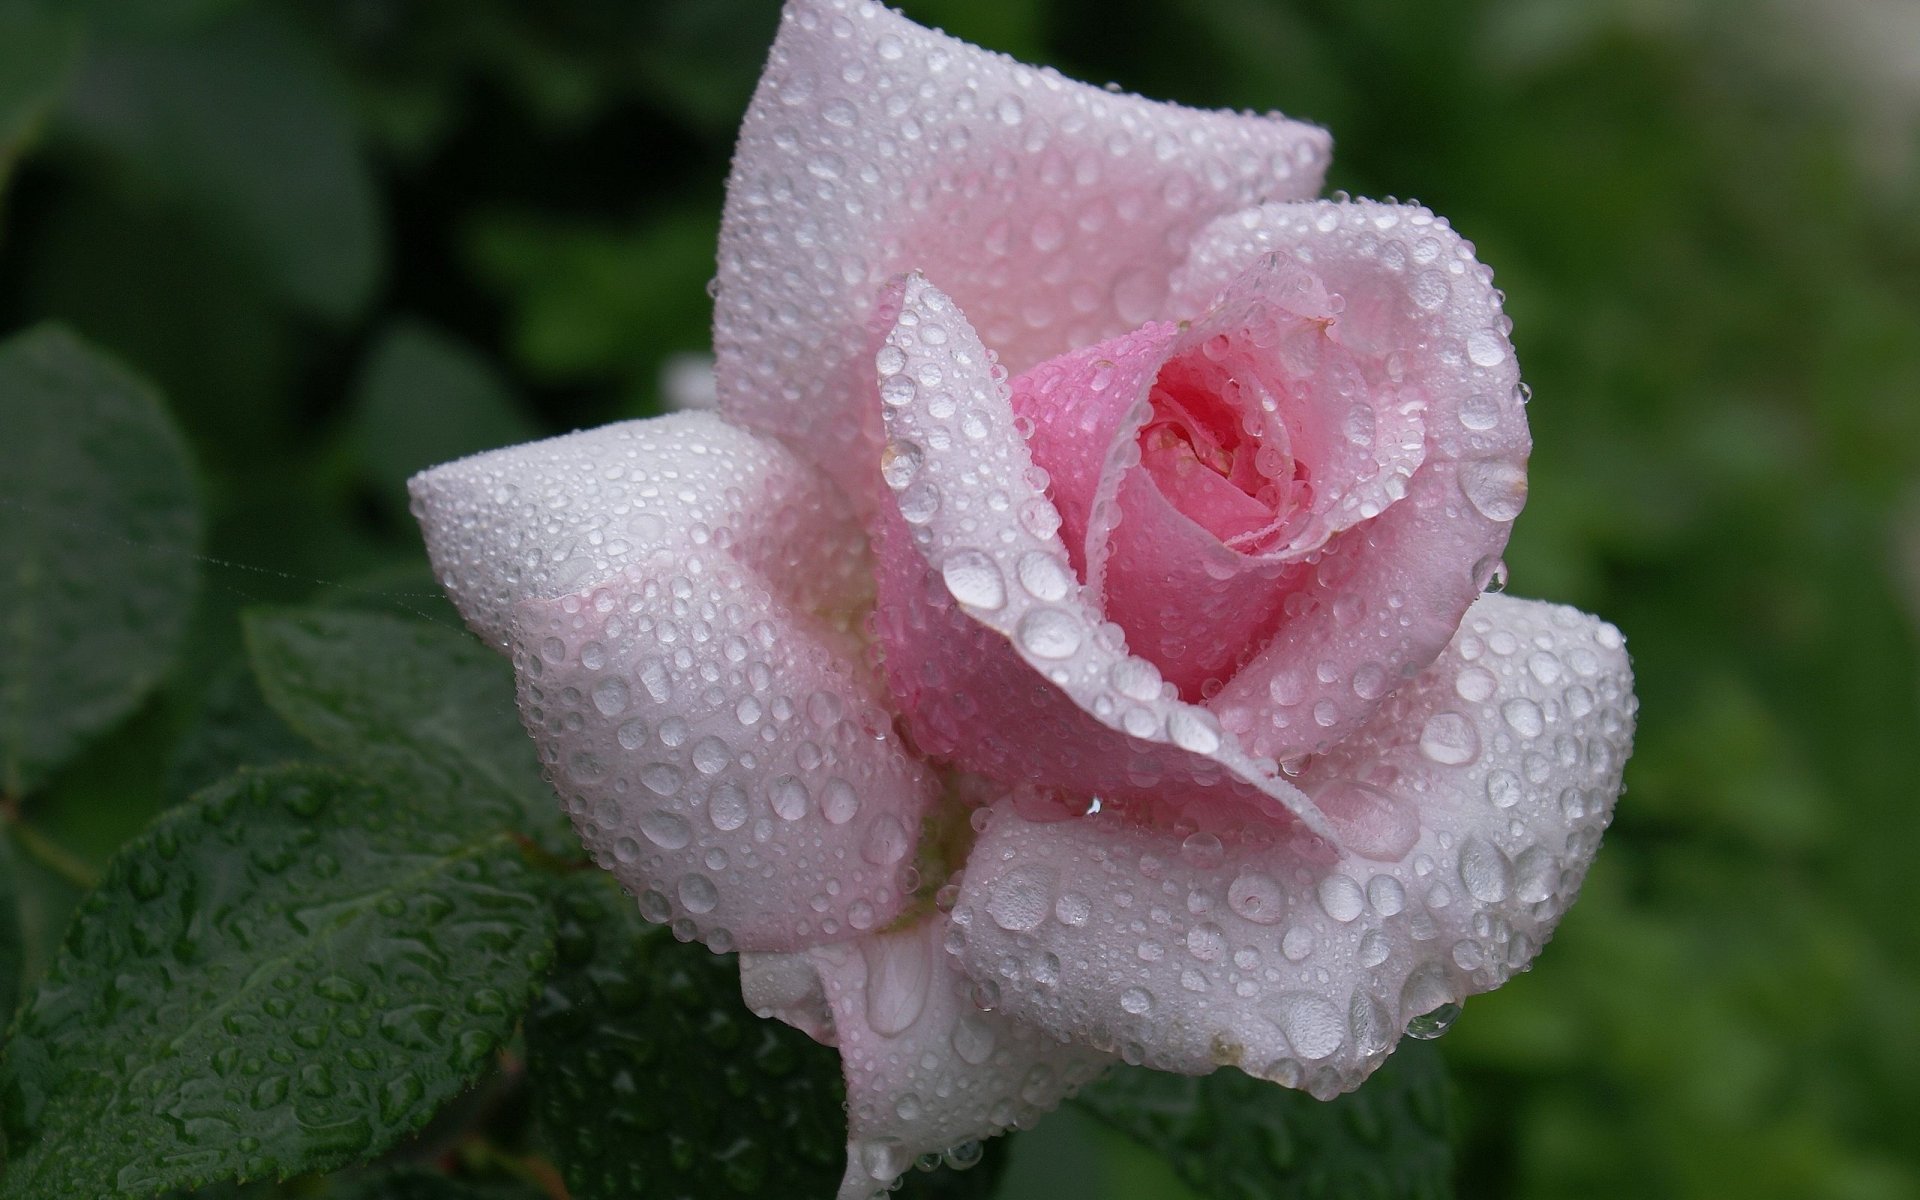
(1312,1024)
(1448,738)
(1020,900)
(1049,633)
(974,580)
(1496,488)
(667,830)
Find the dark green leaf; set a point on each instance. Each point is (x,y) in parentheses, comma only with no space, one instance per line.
(408,701)
(291,973)
(99,522)
(1233,1137)
(244,122)
(651,1078)
(425,399)
(39,44)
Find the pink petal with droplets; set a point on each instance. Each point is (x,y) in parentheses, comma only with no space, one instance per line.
(996,656)
(927,1071)
(1054,211)
(701,707)
(1263,438)
(1469,807)
(1420,316)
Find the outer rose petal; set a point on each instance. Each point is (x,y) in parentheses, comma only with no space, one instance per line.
(993,651)
(1472,804)
(720,749)
(1388,594)
(926,1069)
(1053,210)
(550,518)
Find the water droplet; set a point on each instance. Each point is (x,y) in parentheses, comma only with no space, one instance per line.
(1257,898)
(1049,633)
(1496,488)
(698,894)
(1020,900)
(789,798)
(1504,788)
(974,579)
(1072,908)
(1194,729)
(1475,684)
(667,830)
(1341,897)
(1430,1025)
(1312,1025)
(728,807)
(1486,348)
(1044,576)
(1136,1001)
(1448,738)
(611,697)
(1485,871)
(1523,716)
(838,801)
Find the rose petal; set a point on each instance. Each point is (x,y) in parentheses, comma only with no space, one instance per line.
(701,710)
(927,1071)
(1188,602)
(995,656)
(1053,210)
(1471,806)
(1421,314)
(554,517)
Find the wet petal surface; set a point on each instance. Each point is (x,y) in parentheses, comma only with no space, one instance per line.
(1469,806)
(1053,210)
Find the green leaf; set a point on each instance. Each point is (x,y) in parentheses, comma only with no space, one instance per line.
(39,45)
(426,399)
(291,973)
(244,122)
(1233,1137)
(99,523)
(651,1078)
(410,702)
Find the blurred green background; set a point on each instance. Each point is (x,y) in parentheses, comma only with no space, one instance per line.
(350,238)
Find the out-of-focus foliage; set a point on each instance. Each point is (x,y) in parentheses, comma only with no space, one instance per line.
(345,239)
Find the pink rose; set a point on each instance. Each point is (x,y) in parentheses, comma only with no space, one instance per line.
(1144,704)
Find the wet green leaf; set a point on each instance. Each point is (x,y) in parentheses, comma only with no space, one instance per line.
(651,1078)
(411,702)
(99,522)
(288,974)
(1233,1137)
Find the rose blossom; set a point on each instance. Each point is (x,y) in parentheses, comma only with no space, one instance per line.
(1068,640)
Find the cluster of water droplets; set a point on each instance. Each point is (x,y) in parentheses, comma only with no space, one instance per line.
(1469,809)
